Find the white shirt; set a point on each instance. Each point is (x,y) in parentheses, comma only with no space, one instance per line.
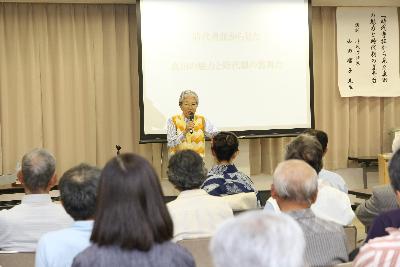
(23,225)
(396,143)
(58,248)
(334,179)
(331,204)
(174,139)
(197,214)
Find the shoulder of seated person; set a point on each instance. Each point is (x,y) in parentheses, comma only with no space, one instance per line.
(382,188)
(330,224)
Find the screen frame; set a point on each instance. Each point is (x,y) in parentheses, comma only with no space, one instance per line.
(248,134)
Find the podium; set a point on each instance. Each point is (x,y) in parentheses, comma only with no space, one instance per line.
(383,164)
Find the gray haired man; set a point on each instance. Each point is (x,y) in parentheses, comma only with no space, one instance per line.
(295,188)
(22,225)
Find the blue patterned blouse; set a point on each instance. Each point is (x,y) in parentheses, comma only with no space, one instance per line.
(225,180)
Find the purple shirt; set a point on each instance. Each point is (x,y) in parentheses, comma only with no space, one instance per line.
(384,220)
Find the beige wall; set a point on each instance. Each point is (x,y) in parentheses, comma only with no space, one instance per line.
(69,83)
(313,2)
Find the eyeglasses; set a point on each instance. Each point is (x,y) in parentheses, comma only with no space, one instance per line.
(189,104)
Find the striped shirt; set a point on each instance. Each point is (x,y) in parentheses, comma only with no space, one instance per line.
(380,251)
(325,240)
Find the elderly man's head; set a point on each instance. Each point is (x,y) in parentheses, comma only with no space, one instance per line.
(78,190)
(258,239)
(38,171)
(295,185)
(306,147)
(186,170)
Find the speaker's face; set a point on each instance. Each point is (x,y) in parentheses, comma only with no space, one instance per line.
(189,105)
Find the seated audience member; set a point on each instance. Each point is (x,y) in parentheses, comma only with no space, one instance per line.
(132,225)
(384,250)
(295,188)
(78,187)
(389,218)
(382,199)
(224,178)
(380,251)
(334,179)
(194,213)
(331,204)
(23,225)
(258,238)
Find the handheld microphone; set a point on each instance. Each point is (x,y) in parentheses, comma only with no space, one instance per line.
(191,118)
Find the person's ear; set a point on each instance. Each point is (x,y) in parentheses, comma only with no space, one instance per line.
(235,155)
(274,194)
(20,177)
(314,197)
(397,193)
(53,181)
(212,151)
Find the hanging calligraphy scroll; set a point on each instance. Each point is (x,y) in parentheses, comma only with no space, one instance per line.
(368,51)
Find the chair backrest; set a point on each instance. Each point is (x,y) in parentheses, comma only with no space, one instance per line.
(351,235)
(241,201)
(346,264)
(20,259)
(199,249)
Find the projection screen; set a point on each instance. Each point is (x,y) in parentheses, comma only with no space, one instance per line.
(248,60)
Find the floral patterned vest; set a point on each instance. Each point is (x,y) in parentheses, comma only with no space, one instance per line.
(194,141)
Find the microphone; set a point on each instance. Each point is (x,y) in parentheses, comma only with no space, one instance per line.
(191,118)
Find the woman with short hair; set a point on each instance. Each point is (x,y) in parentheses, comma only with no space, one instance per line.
(194,212)
(188,129)
(132,225)
(224,178)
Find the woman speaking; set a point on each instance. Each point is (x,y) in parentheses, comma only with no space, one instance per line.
(188,130)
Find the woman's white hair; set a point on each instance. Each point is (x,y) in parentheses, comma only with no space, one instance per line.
(258,238)
(187,93)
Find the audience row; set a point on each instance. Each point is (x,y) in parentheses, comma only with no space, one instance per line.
(117,216)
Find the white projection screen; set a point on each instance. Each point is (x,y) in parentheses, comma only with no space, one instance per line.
(248,60)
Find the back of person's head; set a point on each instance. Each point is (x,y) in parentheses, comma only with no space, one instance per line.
(295,180)
(37,167)
(224,145)
(307,148)
(186,170)
(258,238)
(321,136)
(130,211)
(394,171)
(78,190)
